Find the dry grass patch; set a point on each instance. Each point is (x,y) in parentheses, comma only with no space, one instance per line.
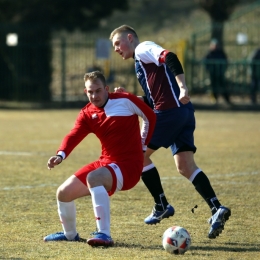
(228,151)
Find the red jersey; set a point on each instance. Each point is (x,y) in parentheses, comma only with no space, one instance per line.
(117,127)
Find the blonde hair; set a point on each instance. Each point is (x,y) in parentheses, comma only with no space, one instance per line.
(123,29)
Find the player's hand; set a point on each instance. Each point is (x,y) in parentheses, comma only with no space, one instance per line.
(53,161)
(119,90)
(184,97)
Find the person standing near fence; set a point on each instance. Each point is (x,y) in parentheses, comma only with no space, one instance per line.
(161,76)
(114,119)
(216,63)
(255,75)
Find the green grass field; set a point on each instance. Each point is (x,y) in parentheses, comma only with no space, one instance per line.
(228,151)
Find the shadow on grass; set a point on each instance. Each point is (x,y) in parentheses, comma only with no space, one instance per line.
(228,247)
(128,245)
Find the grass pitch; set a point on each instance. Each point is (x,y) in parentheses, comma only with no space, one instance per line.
(228,152)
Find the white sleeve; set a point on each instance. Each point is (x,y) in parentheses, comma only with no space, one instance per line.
(145,122)
(61,153)
(148,52)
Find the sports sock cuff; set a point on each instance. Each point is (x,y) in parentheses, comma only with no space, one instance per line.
(97,190)
(194,174)
(68,205)
(148,167)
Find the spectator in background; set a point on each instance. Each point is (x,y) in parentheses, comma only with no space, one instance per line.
(255,75)
(216,64)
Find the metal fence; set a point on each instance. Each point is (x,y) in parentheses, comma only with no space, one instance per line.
(74,54)
(26,74)
(240,40)
(237,77)
(72,59)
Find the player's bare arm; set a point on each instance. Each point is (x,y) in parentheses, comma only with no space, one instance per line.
(184,93)
(172,61)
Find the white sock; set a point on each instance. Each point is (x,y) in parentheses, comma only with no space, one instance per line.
(194,174)
(101,207)
(67,214)
(148,167)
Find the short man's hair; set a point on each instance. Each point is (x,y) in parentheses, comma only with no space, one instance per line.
(123,29)
(92,76)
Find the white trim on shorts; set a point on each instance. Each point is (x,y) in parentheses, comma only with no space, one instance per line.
(119,176)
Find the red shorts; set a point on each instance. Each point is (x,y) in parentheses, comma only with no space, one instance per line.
(131,173)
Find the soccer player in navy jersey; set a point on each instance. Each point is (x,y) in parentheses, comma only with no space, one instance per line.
(161,77)
(114,119)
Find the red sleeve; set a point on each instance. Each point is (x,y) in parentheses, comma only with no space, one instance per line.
(162,57)
(76,134)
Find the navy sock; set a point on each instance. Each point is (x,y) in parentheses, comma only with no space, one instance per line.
(204,188)
(152,181)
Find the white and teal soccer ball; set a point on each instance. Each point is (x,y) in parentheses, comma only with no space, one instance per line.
(176,240)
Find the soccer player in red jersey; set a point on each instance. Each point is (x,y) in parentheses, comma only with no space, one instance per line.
(161,77)
(114,119)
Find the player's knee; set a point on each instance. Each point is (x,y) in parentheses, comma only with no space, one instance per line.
(147,160)
(61,194)
(181,170)
(186,170)
(92,178)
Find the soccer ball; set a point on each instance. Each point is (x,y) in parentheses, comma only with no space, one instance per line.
(176,240)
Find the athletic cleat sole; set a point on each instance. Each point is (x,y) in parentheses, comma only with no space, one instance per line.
(97,242)
(158,221)
(100,239)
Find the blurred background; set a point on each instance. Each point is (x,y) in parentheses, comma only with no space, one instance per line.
(47,46)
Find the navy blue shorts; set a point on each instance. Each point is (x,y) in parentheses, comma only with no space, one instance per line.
(174,128)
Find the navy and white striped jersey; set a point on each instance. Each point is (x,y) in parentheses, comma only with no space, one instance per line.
(157,81)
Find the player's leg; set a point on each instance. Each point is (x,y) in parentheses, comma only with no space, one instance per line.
(100,182)
(183,150)
(169,125)
(70,190)
(186,166)
(151,179)
(220,214)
